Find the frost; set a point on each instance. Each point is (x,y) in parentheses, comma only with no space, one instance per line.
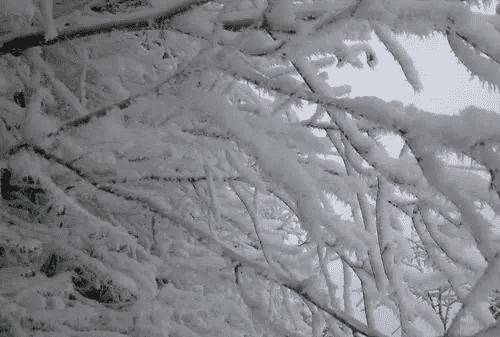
(400,56)
(113,85)
(281,15)
(16,15)
(477,64)
(22,7)
(256,42)
(46,9)
(477,124)
(124,281)
(196,21)
(26,164)
(158,179)
(481,33)
(37,124)
(124,67)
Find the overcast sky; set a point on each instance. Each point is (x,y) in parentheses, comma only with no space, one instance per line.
(447,85)
(447,88)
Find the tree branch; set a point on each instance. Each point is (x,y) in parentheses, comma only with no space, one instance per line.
(132,22)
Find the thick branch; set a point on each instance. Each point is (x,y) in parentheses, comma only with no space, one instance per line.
(132,22)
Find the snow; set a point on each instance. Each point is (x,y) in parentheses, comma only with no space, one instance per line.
(400,55)
(26,164)
(98,334)
(16,15)
(278,162)
(126,68)
(124,281)
(281,15)
(150,212)
(247,15)
(256,42)
(46,8)
(482,34)
(477,223)
(480,66)
(429,280)
(38,125)
(197,21)
(158,3)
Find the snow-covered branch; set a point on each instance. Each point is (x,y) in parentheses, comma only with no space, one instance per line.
(185,168)
(135,21)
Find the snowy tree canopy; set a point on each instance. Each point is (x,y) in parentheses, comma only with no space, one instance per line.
(158,181)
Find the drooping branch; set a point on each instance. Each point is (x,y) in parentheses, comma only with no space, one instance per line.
(257,266)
